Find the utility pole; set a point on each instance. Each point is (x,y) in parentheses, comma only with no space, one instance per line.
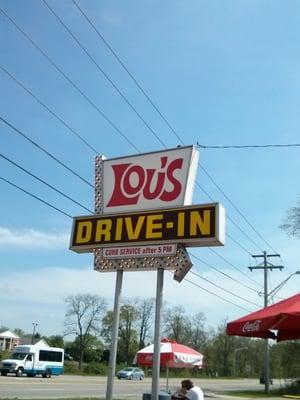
(35,324)
(265,265)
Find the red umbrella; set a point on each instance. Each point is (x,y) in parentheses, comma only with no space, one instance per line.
(172,354)
(283,317)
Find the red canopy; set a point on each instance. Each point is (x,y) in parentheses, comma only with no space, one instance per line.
(283,317)
(172,354)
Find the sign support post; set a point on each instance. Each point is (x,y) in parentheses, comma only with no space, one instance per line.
(114,337)
(118,288)
(156,352)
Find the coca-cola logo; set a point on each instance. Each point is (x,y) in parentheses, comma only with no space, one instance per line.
(132,182)
(251,326)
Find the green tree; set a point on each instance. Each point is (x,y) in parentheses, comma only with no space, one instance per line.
(220,351)
(285,359)
(128,336)
(145,308)
(176,324)
(127,333)
(18,332)
(83,319)
(291,223)
(55,341)
(106,330)
(92,352)
(198,335)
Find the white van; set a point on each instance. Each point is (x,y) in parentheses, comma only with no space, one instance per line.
(34,360)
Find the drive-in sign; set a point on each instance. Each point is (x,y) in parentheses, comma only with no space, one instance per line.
(198,225)
(149,181)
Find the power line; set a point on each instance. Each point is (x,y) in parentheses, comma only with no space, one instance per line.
(236,208)
(232,221)
(59,70)
(48,109)
(80,91)
(127,70)
(69,80)
(232,265)
(213,294)
(225,290)
(84,141)
(35,197)
(216,295)
(223,273)
(18,131)
(68,215)
(254,146)
(113,52)
(45,151)
(238,244)
(105,75)
(89,146)
(44,182)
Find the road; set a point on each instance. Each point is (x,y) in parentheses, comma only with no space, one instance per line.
(66,386)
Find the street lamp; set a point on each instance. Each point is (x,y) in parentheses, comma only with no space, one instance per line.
(277,288)
(35,324)
(234,357)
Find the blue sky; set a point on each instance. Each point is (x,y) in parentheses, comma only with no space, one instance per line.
(222,73)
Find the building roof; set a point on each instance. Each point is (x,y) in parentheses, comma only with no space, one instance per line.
(9,335)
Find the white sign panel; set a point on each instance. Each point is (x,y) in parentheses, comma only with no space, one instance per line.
(139,251)
(148,181)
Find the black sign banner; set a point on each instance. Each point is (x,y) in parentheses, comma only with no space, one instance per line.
(197,225)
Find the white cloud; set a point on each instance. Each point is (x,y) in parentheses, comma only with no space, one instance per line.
(39,295)
(30,238)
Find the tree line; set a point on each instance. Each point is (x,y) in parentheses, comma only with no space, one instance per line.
(89,322)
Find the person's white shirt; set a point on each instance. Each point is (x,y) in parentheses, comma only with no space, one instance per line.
(195,393)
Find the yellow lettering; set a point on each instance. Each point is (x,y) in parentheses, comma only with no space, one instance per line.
(119,226)
(180,224)
(103,230)
(84,232)
(133,233)
(199,223)
(152,225)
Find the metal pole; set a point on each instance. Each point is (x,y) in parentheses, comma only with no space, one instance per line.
(167,388)
(114,337)
(156,350)
(265,267)
(267,354)
(35,324)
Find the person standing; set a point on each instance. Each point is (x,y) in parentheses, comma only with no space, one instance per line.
(192,392)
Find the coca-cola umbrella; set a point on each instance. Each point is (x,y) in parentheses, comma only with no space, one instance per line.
(280,321)
(172,355)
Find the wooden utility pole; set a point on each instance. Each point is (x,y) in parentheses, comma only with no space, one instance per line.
(265,265)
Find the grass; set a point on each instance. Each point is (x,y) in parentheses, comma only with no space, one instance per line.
(253,394)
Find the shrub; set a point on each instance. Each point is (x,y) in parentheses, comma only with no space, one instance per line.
(95,368)
(4,354)
(71,367)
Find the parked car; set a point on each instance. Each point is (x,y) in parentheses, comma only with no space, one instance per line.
(131,373)
(67,357)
